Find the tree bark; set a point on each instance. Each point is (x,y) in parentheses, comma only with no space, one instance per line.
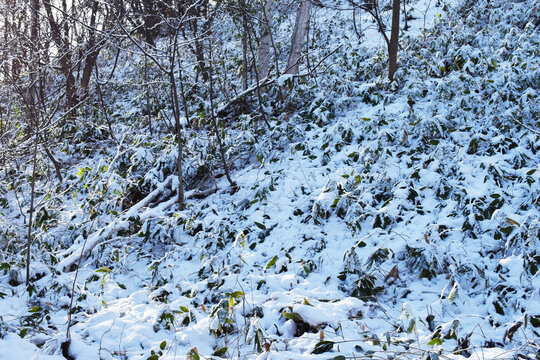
(263,62)
(394,36)
(245,69)
(178,125)
(299,37)
(92,49)
(31,104)
(215,122)
(65,55)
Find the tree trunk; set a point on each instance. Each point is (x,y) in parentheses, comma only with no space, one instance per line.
(92,50)
(394,36)
(65,57)
(244,62)
(215,122)
(263,62)
(32,115)
(299,37)
(178,124)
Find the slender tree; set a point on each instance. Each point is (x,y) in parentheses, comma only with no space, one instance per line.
(298,38)
(394,36)
(265,44)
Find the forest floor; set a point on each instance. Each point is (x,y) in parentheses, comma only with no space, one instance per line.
(371,221)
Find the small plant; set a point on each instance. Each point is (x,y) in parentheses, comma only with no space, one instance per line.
(157,355)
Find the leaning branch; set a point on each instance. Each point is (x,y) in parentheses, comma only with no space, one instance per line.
(272,80)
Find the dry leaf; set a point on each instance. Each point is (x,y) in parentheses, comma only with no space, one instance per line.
(394,274)
(510,332)
(512,221)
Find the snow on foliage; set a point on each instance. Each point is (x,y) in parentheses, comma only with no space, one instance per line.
(373,220)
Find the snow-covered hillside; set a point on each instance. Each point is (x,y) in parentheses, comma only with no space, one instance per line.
(371,220)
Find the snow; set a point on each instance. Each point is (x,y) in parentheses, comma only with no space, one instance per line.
(363,178)
(12,347)
(283,79)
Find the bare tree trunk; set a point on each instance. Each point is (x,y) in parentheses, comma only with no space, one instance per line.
(34,57)
(215,122)
(65,54)
(199,51)
(394,36)
(31,105)
(32,195)
(178,125)
(263,62)
(299,37)
(247,34)
(92,49)
(244,62)
(405,15)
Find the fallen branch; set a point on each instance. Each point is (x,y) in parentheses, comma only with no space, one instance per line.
(122,223)
(201,194)
(525,126)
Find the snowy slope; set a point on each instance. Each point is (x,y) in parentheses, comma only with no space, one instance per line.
(373,220)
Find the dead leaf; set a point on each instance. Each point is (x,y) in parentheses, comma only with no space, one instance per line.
(512,221)
(510,332)
(394,274)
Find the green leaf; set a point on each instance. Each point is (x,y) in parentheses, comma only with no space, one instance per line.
(453,293)
(271,263)
(194,354)
(221,352)
(435,341)
(184,309)
(82,171)
(411,326)
(260,226)
(23,332)
(507,230)
(153,357)
(237,294)
(498,308)
(323,346)
(292,316)
(339,357)
(434,142)
(163,345)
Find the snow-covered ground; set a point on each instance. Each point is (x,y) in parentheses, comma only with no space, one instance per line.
(375,220)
